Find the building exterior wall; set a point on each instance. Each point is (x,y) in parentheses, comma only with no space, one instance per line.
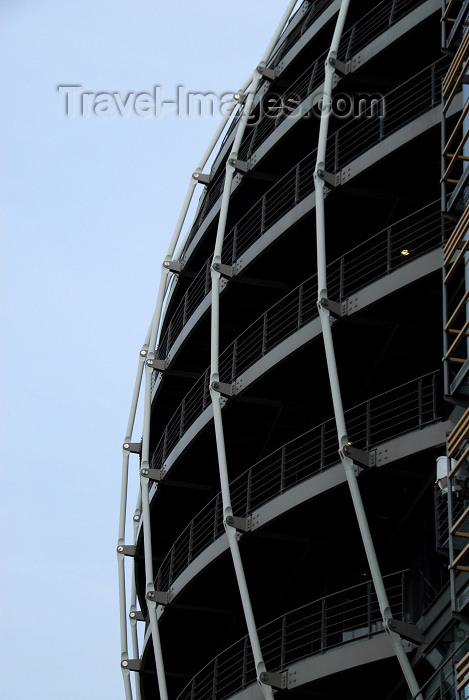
(391,213)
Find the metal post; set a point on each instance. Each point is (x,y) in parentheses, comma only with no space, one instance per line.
(234,254)
(165,445)
(263,215)
(323,445)
(184,313)
(297,183)
(341,278)
(181,420)
(369,608)
(336,152)
(170,328)
(214,681)
(420,402)
(207,278)
(313,76)
(282,469)
(350,42)
(206,392)
(264,334)
(191,542)
(171,566)
(433,85)
(215,521)
(300,306)
(283,642)
(389,250)
(245,663)
(323,625)
(368,424)
(233,360)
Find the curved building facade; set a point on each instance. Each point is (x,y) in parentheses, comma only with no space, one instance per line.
(293,535)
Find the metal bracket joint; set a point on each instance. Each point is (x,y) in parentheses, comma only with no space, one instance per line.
(275,680)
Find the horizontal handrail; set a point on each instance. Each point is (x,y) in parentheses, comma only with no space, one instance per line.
(330,622)
(380,255)
(400,410)
(366,29)
(316,9)
(289,39)
(403,104)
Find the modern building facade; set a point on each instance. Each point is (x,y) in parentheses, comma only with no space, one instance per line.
(281,546)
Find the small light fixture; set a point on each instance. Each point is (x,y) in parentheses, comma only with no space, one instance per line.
(404,252)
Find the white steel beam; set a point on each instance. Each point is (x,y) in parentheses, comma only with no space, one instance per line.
(214,365)
(324,314)
(148,353)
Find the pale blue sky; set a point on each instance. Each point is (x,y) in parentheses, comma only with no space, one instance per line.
(87,210)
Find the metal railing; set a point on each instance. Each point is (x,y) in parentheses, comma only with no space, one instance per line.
(315,628)
(460,502)
(380,255)
(442,684)
(403,105)
(357,37)
(316,9)
(403,409)
(365,30)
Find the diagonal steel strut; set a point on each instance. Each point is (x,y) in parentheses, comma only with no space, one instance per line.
(148,353)
(214,365)
(324,316)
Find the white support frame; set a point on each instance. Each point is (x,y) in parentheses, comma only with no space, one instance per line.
(324,315)
(214,367)
(146,358)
